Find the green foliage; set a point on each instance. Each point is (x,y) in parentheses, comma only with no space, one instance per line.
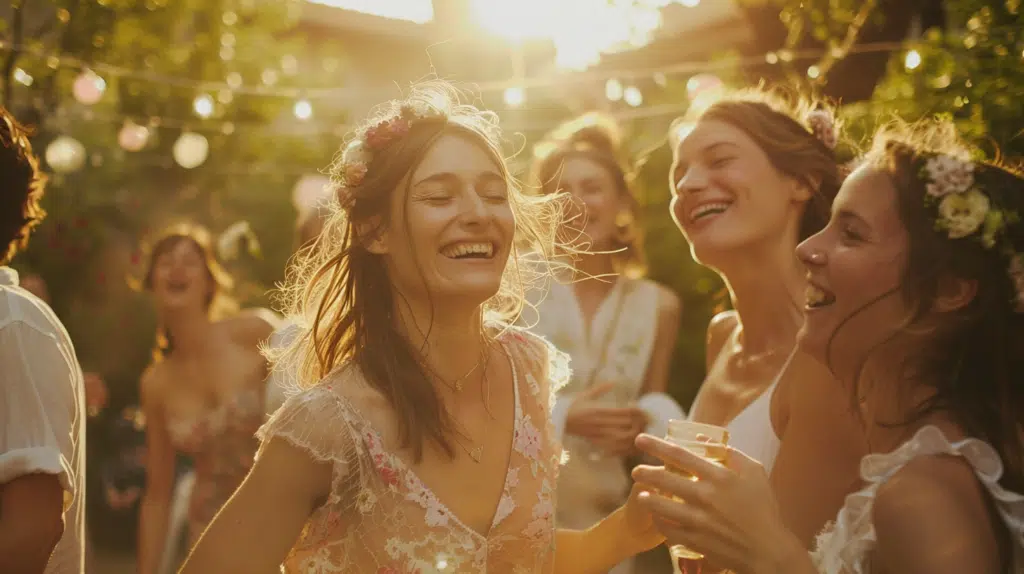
(156,57)
(973,74)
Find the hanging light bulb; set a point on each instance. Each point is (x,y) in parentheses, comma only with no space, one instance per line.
(203,106)
(613,90)
(88,87)
(65,154)
(303,109)
(515,96)
(234,80)
(190,150)
(132,136)
(22,77)
(633,96)
(912,60)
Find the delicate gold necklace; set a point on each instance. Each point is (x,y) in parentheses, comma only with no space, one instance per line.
(456,385)
(477,452)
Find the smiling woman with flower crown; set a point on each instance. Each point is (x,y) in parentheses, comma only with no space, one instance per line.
(422,441)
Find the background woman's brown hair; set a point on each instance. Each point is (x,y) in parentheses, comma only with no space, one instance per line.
(596,137)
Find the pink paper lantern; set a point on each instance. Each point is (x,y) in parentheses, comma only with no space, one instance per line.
(309,192)
(88,87)
(702,84)
(132,136)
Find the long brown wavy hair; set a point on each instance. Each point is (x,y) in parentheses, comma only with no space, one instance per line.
(342,297)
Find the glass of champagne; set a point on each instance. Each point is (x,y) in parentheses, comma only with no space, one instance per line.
(708,442)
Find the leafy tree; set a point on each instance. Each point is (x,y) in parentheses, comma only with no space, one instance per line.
(156,57)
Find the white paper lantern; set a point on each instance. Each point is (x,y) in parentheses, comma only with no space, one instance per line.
(132,136)
(190,150)
(310,192)
(88,87)
(65,154)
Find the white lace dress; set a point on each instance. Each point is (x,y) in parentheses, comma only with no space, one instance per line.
(380,518)
(845,545)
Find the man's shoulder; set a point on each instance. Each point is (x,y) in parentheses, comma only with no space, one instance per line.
(21,310)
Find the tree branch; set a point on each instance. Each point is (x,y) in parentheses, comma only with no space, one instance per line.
(17,24)
(836,53)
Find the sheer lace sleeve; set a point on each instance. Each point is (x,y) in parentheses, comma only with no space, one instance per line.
(546,371)
(319,422)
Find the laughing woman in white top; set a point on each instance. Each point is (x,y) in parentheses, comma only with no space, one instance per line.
(753,175)
(42,395)
(619,328)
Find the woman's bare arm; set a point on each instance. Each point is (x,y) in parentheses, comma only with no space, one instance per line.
(257,527)
(154,511)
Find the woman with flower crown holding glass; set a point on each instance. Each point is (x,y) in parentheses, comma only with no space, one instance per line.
(422,442)
(916,305)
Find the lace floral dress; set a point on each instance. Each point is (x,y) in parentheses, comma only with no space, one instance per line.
(380,518)
(222,445)
(845,546)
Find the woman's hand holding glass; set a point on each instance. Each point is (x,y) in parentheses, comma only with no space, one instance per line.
(729,514)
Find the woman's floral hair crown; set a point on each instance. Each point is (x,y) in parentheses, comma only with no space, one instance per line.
(965,209)
(823,127)
(358,154)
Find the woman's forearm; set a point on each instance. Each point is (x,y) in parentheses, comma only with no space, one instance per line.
(154,515)
(597,549)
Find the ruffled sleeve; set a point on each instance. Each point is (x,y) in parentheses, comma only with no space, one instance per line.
(320,422)
(843,547)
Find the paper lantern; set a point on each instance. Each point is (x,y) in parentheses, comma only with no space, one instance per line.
(132,136)
(310,192)
(703,84)
(65,154)
(190,150)
(88,87)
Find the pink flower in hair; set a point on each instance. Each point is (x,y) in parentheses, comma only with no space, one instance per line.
(354,173)
(823,127)
(377,136)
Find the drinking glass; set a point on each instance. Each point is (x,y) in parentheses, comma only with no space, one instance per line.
(708,442)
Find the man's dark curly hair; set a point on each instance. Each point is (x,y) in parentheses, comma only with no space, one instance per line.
(21,187)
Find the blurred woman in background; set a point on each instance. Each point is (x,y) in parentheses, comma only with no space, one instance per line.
(618,327)
(202,395)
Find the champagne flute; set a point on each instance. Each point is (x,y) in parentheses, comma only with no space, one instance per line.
(708,442)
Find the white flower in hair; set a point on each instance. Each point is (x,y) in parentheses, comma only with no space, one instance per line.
(961,214)
(823,126)
(947,174)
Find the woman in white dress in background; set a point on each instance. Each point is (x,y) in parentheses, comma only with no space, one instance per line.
(753,175)
(619,328)
(917,305)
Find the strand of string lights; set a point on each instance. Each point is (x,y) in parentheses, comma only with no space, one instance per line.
(526,82)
